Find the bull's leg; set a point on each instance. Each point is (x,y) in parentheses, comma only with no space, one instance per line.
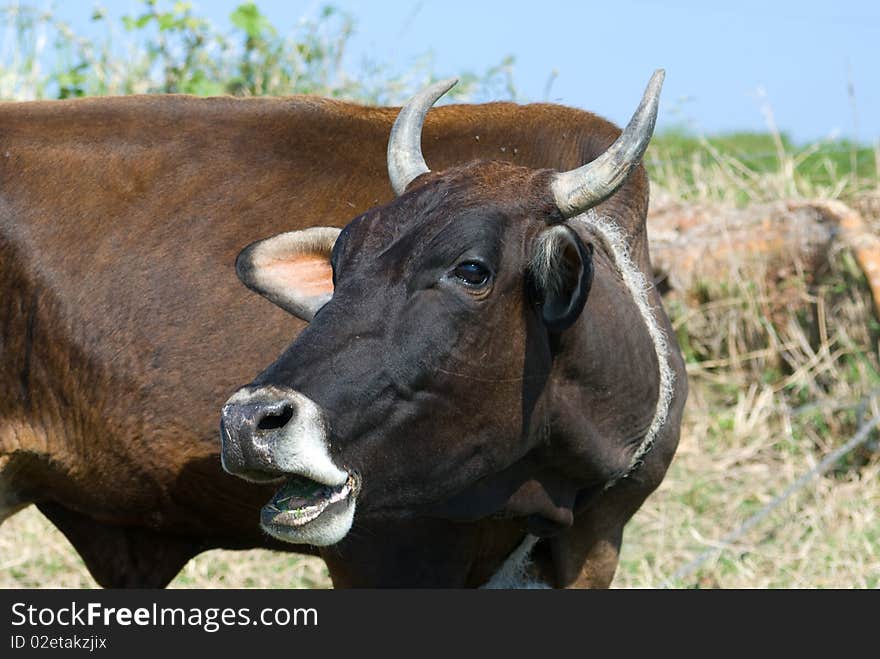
(120,556)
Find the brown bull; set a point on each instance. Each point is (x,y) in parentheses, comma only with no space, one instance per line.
(123,329)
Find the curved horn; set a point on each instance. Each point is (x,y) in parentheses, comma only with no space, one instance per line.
(405,160)
(579,189)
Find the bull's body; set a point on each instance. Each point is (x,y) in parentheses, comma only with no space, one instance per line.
(123,327)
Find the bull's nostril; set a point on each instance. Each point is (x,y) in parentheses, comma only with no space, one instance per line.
(275,421)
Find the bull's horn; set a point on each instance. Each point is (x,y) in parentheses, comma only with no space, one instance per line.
(405,160)
(579,189)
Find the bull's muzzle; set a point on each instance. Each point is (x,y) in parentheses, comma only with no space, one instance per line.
(277,435)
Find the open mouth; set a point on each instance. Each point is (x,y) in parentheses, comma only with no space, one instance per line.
(308,512)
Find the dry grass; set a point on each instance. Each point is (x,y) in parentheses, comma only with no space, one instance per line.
(781,373)
(731,464)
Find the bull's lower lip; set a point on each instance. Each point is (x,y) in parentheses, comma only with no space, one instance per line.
(304,511)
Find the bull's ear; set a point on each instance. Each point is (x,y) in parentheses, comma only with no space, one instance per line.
(562,273)
(291,269)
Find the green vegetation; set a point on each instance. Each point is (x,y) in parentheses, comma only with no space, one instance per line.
(171,49)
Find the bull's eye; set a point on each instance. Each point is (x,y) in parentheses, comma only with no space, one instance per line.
(472,273)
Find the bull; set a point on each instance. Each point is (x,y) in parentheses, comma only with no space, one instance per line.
(123,328)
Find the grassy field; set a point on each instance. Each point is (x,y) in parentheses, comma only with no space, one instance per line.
(782,370)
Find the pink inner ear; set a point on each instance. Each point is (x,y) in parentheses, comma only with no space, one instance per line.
(307,274)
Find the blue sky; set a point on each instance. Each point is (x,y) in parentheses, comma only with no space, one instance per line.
(725,62)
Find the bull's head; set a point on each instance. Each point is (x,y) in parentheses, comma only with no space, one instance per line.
(451,358)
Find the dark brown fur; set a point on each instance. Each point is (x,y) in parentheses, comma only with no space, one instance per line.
(123,327)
